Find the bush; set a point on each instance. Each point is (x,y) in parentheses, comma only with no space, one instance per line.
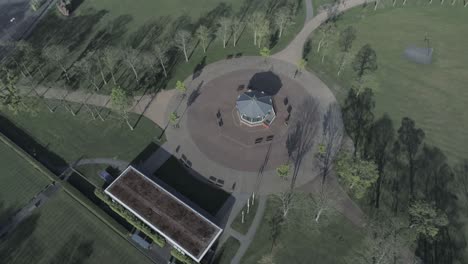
(182,257)
(130,217)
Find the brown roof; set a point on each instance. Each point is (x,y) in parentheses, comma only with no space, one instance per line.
(165,213)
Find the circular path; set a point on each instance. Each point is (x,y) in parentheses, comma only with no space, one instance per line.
(197,138)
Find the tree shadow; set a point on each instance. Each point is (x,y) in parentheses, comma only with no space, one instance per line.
(209,18)
(197,71)
(5,212)
(194,94)
(111,35)
(75,249)
(307,48)
(267,82)
(301,133)
(20,237)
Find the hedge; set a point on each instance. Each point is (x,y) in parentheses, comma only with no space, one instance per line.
(182,257)
(130,217)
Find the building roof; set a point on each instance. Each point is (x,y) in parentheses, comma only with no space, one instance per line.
(184,227)
(254,104)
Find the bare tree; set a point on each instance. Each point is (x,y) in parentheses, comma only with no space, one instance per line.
(324,202)
(236,26)
(57,55)
(203,34)
(110,57)
(182,39)
(224,24)
(160,50)
(326,30)
(150,60)
(283,19)
(87,68)
(263,31)
(256,20)
(132,58)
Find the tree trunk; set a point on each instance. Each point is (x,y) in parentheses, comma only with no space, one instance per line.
(394,3)
(134,71)
(103,78)
(404,2)
(466,4)
(234,38)
(317,217)
(204,46)
(323,57)
(255,37)
(376,4)
(411,176)
(113,77)
(129,125)
(453,2)
(280,32)
(164,68)
(185,54)
(341,67)
(442,2)
(430,2)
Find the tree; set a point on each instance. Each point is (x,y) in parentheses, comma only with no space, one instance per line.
(149,60)
(111,56)
(358,116)
(378,148)
(87,68)
(10,95)
(57,55)
(121,102)
(133,59)
(301,64)
(347,37)
(283,20)
(182,39)
(256,20)
(203,34)
(426,219)
(263,30)
(173,119)
(326,30)
(224,24)
(160,50)
(283,171)
(265,53)
(180,86)
(357,175)
(365,61)
(410,139)
(324,202)
(236,26)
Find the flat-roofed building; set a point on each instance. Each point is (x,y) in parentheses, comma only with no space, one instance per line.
(181,225)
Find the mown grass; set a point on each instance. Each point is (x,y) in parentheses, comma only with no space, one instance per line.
(237,224)
(63,230)
(302,240)
(72,137)
(227,251)
(433,95)
(19,182)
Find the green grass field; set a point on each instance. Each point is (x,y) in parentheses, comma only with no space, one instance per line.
(101,23)
(227,251)
(302,240)
(434,95)
(64,231)
(19,182)
(72,137)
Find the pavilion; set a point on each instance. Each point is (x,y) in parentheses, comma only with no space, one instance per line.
(255,108)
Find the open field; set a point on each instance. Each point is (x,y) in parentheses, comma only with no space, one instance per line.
(302,240)
(71,137)
(434,95)
(64,230)
(98,24)
(19,182)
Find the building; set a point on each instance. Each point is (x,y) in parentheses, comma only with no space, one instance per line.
(182,226)
(255,108)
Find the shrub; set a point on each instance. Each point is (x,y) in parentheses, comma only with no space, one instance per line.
(182,257)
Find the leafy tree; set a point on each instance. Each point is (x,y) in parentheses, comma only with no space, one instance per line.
(265,53)
(224,24)
(409,140)
(111,56)
(365,61)
(182,39)
(180,86)
(236,27)
(283,20)
(121,102)
(426,219)
(347,37)
(357,175)
(358,116)
(283,171)
(203,34)
(174,119)
(57,55)
(160,50)
(10,96)
(301,64)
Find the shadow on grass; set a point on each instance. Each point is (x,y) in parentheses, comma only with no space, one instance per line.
(26,142)
(75,249)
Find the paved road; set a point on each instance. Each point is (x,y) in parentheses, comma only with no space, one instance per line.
(309,10)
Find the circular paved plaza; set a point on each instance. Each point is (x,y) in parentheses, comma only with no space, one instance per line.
(212,141)
(215,127)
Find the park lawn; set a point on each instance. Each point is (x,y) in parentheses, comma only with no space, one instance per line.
(434,95)
(63,230)
(227,251)
(100,23)
(201,192)
(91,173)
(73,137)
(301,240)
(237,224)
(19,181)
